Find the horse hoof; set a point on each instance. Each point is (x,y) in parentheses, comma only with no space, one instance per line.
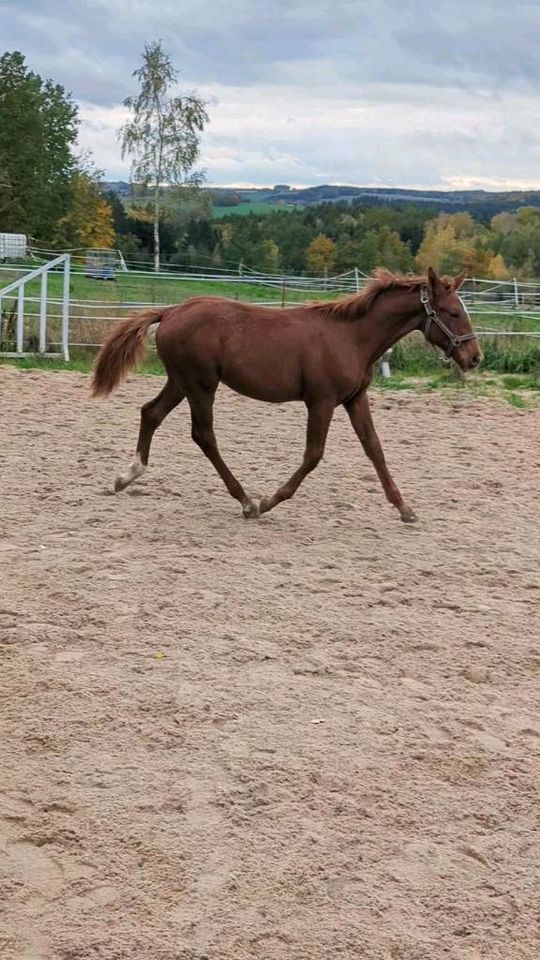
(409,516)
(135,469)
(251,509)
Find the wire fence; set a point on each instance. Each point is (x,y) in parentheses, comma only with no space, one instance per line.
(513,304)
(89,320)
(477,290)
(212,270)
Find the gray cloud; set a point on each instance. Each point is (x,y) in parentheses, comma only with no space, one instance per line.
(464,74)
(242,43)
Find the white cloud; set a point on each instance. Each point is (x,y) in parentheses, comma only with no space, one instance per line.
(401,92)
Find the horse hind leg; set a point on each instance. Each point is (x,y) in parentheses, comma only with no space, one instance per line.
(152,414)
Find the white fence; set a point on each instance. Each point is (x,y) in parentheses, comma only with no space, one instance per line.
(18,289)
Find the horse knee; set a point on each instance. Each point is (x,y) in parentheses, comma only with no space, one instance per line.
(312,459)
(202,438)
(150,415)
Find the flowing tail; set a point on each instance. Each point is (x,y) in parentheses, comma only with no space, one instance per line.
(122,349)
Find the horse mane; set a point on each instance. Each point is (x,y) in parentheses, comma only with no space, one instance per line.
(357,305)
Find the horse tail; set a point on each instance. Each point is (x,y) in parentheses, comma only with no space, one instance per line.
(121,350)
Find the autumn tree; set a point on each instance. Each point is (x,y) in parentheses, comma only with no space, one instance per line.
(497,269)
(456,241)
(162,138)
(321,254)
(89,220)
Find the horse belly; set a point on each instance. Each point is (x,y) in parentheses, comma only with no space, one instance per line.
(263,380)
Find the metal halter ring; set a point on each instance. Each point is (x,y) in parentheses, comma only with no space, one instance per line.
(433,317)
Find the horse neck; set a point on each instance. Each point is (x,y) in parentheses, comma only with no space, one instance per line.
(394,314)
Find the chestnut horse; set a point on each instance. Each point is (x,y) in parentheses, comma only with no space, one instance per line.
(322,353)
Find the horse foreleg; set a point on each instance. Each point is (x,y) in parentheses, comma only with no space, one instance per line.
(319,419)
(202,432)
(360,417)
(152,414)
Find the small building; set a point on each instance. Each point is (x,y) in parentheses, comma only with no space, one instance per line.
(12,246)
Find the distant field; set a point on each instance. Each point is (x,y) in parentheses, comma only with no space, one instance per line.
(250,206)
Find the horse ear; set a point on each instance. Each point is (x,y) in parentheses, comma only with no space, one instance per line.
(434,281)
(457,281)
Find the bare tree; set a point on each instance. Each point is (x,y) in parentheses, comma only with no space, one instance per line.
(163,136)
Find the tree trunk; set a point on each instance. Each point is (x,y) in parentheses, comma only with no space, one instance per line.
(156,229)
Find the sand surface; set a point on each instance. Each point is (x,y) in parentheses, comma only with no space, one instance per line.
(311,737)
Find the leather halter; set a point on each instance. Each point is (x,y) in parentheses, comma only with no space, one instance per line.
(433,317)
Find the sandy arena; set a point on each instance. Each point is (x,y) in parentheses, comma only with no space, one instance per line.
(309,737)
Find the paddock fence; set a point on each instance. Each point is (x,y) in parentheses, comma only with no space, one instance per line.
(44,322)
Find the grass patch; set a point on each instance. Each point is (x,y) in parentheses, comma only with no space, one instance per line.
(523,382)
(502,355)
(138,288)
(516,401)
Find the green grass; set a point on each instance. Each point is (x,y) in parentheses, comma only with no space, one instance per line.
(133,287)
(516,401)
(524,394)
(504,355)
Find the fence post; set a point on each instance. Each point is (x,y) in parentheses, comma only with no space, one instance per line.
(385,364)
(357,279)
(65,310)
(283,293)
(516,293)
(20,319)
(123,263)
(43,313)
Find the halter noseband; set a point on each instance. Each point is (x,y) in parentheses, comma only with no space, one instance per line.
(433,317)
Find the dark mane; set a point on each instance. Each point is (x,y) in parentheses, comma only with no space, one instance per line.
(350,308)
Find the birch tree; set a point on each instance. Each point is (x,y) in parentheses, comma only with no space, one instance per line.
(162,138)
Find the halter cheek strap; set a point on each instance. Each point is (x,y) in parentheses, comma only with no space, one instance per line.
(433,317)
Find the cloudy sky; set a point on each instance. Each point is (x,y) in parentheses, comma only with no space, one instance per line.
(440,93)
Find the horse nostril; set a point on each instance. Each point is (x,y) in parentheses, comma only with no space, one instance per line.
(475,360)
